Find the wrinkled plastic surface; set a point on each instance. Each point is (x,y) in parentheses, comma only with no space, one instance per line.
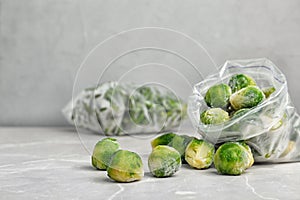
(116,109)
(272,128)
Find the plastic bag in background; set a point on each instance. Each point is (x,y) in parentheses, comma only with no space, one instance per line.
(116,109)
(272,128)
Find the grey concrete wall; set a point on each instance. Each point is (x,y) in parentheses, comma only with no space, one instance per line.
(43,42)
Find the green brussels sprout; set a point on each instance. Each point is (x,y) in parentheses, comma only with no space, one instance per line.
(247,97)
(125,166)
(103,151)
(164,161)
(268,91)
(218,96)
(214,116)
(164,139)
(240,81)
(233,158)
(240,112)
(199,154)
(178,142)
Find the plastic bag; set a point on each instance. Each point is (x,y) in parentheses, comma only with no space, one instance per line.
(116,109)
(272,128)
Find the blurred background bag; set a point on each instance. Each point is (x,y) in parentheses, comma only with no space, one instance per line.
(115,109)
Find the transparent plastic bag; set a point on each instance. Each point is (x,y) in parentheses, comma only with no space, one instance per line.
(271,128)
(115,109)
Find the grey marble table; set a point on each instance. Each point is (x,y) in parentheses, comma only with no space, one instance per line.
(54,163)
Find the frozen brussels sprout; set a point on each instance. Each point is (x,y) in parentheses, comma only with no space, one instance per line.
(125,166)
(218,96)
(178,142)
(199,154)
(240,81)
(247,97)
(233,158)
(164,139)
(214,116)
(268,91)
(164,161)
(240,112)
(103,151)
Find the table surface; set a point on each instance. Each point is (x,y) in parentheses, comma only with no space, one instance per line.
(54,163)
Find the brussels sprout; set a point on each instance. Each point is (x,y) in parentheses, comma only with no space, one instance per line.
(103,151)
(164,161)
(178,142)
(164,139)
(218,96)
(268,91)
(233,158)
(199,154)
(240,112)
(125,166)
(214,116)
(247,97)
(240,81)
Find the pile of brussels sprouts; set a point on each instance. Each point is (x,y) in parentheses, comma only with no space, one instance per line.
(232,100)
(231,158)
(169,152)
